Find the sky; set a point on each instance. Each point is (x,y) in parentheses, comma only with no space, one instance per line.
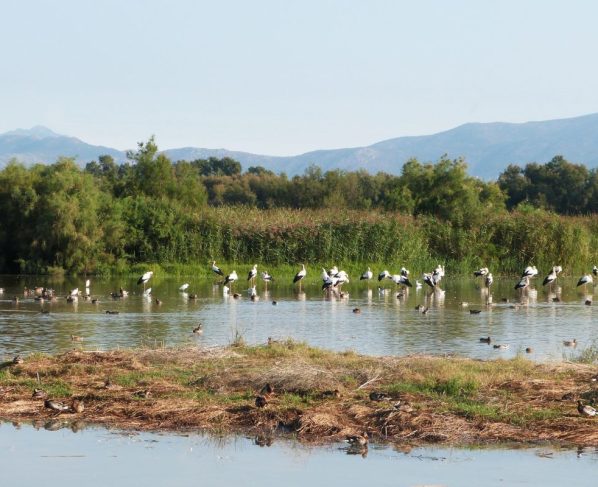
(286,77)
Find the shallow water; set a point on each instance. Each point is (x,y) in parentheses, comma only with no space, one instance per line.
(385,325)
(98,457)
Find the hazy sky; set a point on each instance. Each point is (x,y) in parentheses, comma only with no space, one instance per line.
(282,77)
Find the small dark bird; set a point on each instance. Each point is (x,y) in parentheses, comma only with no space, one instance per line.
(331,394)
(485,340)
(356,310)
(95,301)
(108,312)
(570,343)
(568,397)
(76,338)
(588,302)
(529,350)
(236,296)
(158,302)
(475,311)
(192,296)
(144,394)
(379,396)
(198,328)
(18,360)
(260,402)
(501,346)
(274,303)
(55,405)
(585,410)
(267,390)
(358,439)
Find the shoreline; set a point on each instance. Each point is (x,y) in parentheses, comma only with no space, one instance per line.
(424,399)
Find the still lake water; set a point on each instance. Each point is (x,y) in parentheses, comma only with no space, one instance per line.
(99,457)
(385,326)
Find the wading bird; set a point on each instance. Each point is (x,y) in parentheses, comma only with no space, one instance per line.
(530,271)
(384,275)
(523,283)
(489,280)
(184,287)
(144,278)
(266,278)
(300,275)
(585,280)
(404,272)
(252,274)
(400,279)
(367,275)
(217,269)
(232,277)
(595,270)
(482,271)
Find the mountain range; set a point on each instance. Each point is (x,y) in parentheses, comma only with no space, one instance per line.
(487,147)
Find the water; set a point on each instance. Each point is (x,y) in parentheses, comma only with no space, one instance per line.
(385,326)
(98,457)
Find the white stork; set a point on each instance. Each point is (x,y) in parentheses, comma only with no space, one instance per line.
(530,271)
(489,280)
(550,278)
(266,277)
(300,275)
(523,283)
(367,275)
(384,275)
(585,280)
(595,270)
(184,287)
(482,271)
(400,279)
(217,269)
(232,277)
(404,272)
(252,273)
(144,278)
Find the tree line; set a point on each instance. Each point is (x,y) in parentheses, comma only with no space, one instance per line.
(152,209)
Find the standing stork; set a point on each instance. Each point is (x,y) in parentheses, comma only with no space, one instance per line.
(300,275)
(489,280)
(400,279)
(252,274)
(266,277)
(550,278)
(367,275)
(404,272)
(523,283)
(217,269)
(481,272)
(595,270)
(232,277)
(144,278)
(184,287)
(585,280)
(384,275)
(530,271)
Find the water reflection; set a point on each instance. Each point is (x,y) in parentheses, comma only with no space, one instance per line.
(538,318)
(99,457)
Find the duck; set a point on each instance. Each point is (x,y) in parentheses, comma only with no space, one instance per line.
(379,396)
(39,394)
(485,340)
(330,394)
(570,343)
(198,328)
(358,439)
(77,406)
(529,350)
(586,410)
(260,402)
(76,338)
(475,311)
(158,302)
(267,390)
(356,310)
(55,405)
(501,346)
(110,312)
(18,360)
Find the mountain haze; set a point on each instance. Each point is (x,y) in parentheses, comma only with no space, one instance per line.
(487,147)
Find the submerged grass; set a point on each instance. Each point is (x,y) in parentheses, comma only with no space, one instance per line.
(318,395)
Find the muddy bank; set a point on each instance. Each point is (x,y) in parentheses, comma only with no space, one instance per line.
(316,395)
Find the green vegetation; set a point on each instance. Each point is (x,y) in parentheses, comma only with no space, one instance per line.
(109,218)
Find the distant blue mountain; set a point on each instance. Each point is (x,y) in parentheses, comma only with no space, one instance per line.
(487,147)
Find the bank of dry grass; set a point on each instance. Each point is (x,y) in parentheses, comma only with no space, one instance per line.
(447,400)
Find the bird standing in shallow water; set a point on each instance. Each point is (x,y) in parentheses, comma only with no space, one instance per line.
(232,277)
(358,439)
(300,275)
(217,269)
(144,278)
(251,275)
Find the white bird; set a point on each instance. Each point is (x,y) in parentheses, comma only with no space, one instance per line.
(595,270)
(144,278)
(147,291)
(489,280)
(252,273)
(232,277)
(333,272)
(329,282)
(367,275)
(530,271)
(523,283)
(184,287)
(438,272)
(325,274)
(584,280)
(266,277)
(430,280)
(550,278)
(482,271)
(384,275)
(300,275)
(404,272)
(400,279)
(75,292)
(217,269)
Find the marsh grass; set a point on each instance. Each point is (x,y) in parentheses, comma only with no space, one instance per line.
(453,400)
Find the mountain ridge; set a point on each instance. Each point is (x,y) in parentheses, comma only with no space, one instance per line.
(487,148)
